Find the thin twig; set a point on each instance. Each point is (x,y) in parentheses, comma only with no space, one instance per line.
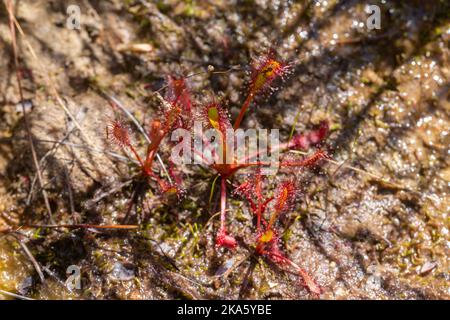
(14,295)
(80,146)
(54,276)
(28,253)
(90,203)
(86,226)
(10,8)
(41,162)
(70,193)
(233,266)
(186,278)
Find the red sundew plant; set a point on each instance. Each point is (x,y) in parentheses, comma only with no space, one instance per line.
(179,112)
(214,116)
(176,113)
(268,211)
(119,133)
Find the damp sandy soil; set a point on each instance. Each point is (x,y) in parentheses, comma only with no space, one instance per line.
(373,224)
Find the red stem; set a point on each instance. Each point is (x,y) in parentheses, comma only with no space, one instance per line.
(259,195)
(136,155)
(223,205)
(149,159)
(244,108)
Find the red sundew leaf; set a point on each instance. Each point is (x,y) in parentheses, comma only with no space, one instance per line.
(179,97)
(277,257)
(156,131)
(314,137)
(119,133)
(178,93)
(252,192)
(179,111)
(214,116)
(317,136)
(173,190)
(246,188)
(272,251)
(284,199)
(311,161)
(177,180)
(266,69)
(251,187)
(172,117)
(227,241)
(285,196)
(169,188)
(175,174)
